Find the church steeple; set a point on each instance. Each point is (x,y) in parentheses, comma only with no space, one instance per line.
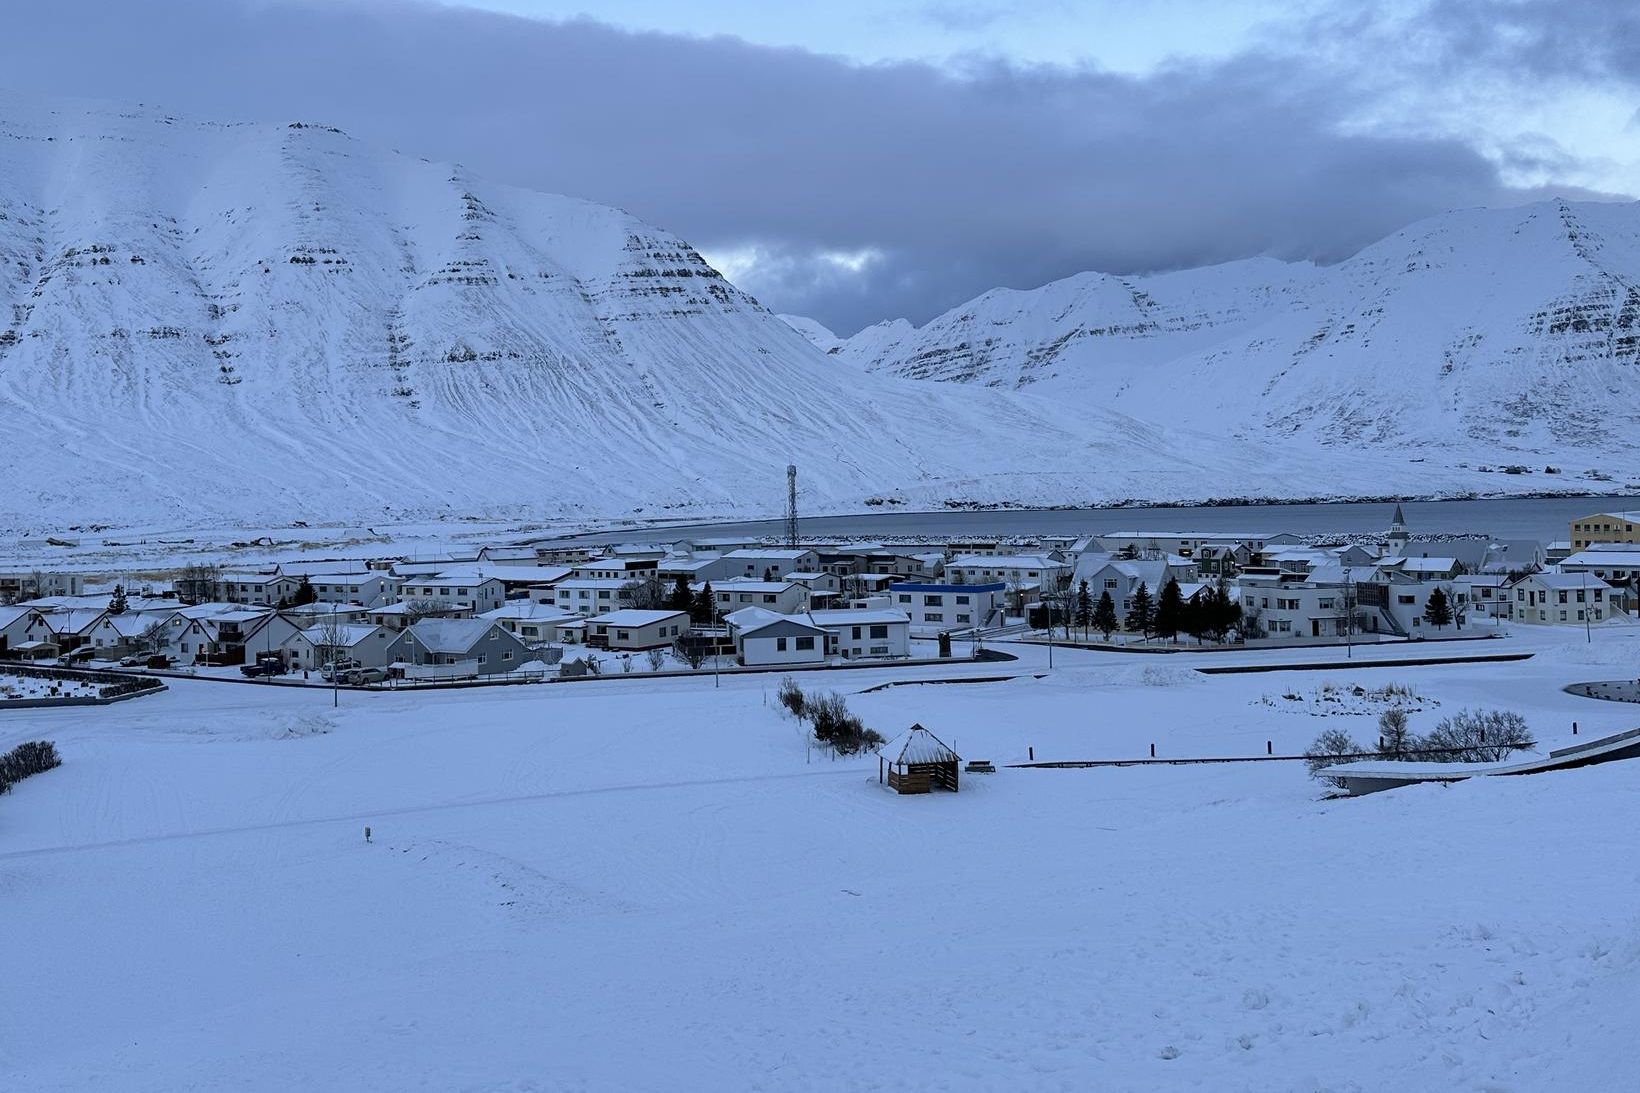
(1398,534)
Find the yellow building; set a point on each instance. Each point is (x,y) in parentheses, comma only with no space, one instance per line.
(1606,527)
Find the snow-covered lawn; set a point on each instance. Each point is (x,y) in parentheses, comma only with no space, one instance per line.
(647,884)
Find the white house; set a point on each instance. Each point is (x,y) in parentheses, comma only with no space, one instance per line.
(588,596)
(867,633)
(71,628)
(768,563)
(258,587)
(316,646)
(633,629)
(21,625)
(470,588)
(765,637)
(1612,562)
(616,569)
(781,597)
(1573,599)
(534,623)
(942,607)
(1487,593)
(1022,571)
(372,589)
(117,635)
(24,584)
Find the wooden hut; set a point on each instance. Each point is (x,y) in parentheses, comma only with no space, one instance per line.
(917,761)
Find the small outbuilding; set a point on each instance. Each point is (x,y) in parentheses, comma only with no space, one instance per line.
(917,761)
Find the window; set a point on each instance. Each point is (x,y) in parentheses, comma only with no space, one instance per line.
(1563,600)
(507,655)
(963,600)
(1580,598)
(965,618)
(805,645)
(1110,582)
(905,597)
(879,650)
(780,645)
(856,633)
(878,633)
(768,598)
(622,635)
(933,601)
(934,616)
(483,658)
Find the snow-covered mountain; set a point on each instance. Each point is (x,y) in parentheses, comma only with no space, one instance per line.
(248,321)
(208,323)
(1496,334)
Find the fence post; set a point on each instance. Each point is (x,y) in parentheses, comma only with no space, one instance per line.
(1032,752)
(1574,728)
(1269,747)
(1153,751)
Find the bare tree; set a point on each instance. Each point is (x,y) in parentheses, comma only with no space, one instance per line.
(691,649)
(657,659)
(153,638)
(200,583)
(416,610)
(648,593)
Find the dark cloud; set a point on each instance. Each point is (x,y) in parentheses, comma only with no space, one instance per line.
(1577,39)
(954,182)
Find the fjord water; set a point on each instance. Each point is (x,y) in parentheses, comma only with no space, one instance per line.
(1541,518)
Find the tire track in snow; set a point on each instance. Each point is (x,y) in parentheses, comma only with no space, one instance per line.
(412,810)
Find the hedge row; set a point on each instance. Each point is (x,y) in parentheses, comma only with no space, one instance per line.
(25,759)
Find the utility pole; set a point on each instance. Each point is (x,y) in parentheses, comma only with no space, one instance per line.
(335,676)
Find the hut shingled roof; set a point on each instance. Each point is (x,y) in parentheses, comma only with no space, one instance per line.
(917,745)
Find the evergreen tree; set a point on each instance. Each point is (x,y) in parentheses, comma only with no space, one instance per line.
(705,606)
(1084,608)
(304,593)
(116,602)
(1170,611)
(1226,610)
(1141,616)
(682,598)
(1196,614)
(1104,613)
(1437,611)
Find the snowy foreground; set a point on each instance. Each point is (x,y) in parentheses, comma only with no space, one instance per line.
(640,884)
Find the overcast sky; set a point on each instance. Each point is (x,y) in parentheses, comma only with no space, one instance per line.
(858,161)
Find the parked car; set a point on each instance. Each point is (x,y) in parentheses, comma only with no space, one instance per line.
(267,664)
(329,671)
(365,675)
(77,656)
(161,660)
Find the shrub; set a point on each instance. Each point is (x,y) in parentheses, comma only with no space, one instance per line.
(791,696)
(30,757)
(656,658)
(837,728)
(1395,740)
(1330,747)
(1476,736)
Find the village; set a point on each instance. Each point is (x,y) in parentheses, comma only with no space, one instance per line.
(554,610)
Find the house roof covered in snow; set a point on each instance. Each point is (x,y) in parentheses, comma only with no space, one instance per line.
(451,635)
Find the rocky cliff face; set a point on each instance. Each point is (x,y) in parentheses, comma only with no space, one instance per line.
(250,323)
(1487,334)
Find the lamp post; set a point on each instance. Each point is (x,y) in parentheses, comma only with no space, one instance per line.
(335,676)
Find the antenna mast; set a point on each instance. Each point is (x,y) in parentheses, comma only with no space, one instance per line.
(791,505)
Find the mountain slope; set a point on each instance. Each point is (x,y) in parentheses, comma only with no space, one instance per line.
(1483,333)
(206,323)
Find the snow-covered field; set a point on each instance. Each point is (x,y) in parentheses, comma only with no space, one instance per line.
(649,884)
